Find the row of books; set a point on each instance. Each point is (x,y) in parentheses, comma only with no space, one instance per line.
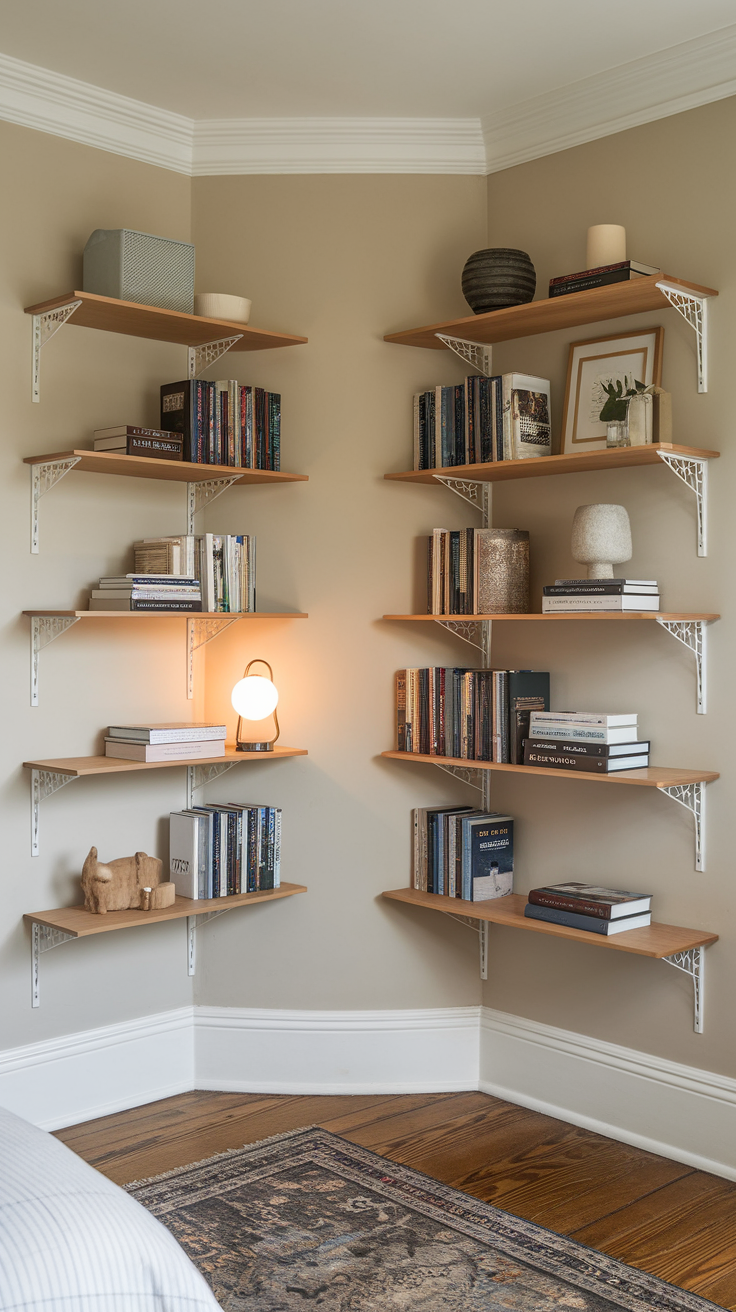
(223,849)
(462,852)
(462,572)
(590,907)
(176,741)
(600,595)
(481,715)
(506,417)
(220,576)
(224,423)
(592,742)
(603,276)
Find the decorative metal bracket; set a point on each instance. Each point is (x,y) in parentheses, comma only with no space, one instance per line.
(43,477)
(192,922)
(691,633)
(694,474)
(43,939)
(199,775)
(44,327)
(693,308)
(199,633)
(44,629)
(43,784)
(465,773)
(474,493)
(476,354)
(199,357)
(200,494)
(692,962)
(692,797)
(468,630)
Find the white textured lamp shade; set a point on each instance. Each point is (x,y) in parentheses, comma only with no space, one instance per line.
(254,698)
(606,245)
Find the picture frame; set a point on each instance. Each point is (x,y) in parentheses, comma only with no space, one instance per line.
(623,355)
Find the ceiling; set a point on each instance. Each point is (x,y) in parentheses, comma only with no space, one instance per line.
(237,59)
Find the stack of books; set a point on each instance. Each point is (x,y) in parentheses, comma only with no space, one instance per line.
(162,592)
(223,565)
(462,852)
(603,276)
(480,715)
(225,849)
(462,568)
(129,440)
(506,417)
(586,741)
(590,907)
(165,742)
(600,594)
(224,423)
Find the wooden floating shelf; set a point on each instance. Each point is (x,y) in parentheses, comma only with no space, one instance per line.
(78,923)
(546,316)
(649,777)
(78,766)
(581,462)
(565,615)
(166,614)
(169,471)
(133,320)
(654,941)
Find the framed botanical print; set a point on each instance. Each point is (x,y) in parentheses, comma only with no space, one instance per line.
(626,357)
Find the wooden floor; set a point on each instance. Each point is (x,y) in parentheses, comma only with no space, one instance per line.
(661,1216)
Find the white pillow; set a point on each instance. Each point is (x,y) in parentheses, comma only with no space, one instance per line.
(72,1240)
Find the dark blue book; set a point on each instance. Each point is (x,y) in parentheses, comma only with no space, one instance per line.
(591,924)
(488,856)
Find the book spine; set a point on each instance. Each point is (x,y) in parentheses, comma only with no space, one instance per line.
(567,918)
(401,711)
(597,280)
(144,604)
(563,761)
(584,907)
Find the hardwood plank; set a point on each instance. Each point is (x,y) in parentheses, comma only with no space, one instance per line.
(407,1118)
(576,462)
(648,777)
(558,615)
(169,471)
(226,617)
(78,766)
(81,923)
(653,941)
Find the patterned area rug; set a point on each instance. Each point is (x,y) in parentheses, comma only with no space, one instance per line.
(309,1220)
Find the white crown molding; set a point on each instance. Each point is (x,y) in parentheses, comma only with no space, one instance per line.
(656,86)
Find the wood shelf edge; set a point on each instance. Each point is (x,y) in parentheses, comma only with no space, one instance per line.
(648,777)
(167,614)
(81,924)
(79,767)
(564,615)
(582,462)
(172,471)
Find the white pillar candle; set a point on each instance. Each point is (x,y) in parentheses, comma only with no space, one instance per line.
(606,245)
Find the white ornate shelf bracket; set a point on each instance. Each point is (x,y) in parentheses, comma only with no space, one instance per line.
(465,773)
(692,634)
(43,477)
(476,494)
(43,939)
(694,309)
(199,633)
(200,495)
(199,775)
(199,357)
(692,797)
(44,327)
(192,923)
(45,629)
(694,474)
(468,630)
(476,354)
(692,962)
(43,784)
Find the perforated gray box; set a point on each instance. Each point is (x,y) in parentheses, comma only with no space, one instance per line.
(135,266)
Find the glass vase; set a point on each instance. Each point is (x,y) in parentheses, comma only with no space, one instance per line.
(617,432)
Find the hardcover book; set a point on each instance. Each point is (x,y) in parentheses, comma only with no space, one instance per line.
(589,923)
(488,853)
(591,900)
(546,748)
(563,760)
(178,731)
(526,417)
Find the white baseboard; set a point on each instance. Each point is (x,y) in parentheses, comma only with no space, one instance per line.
(673,1110)
(81,1076)
(263,1051)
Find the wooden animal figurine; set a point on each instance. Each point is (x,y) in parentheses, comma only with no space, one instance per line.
(117,885)
(156,899)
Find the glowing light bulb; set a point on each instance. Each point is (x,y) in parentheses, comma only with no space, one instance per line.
(254,697)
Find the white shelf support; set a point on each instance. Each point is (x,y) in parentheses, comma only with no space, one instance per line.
(45,629)
(692,797)
(694,474)
(43,939)
(192,922)
(468,630)
(694,310)
(476,494)
(465,773)
(200,495)
(44,327)
(199,357)
(692,962)
(43,477)
(43,784)
(199,775)
(476,354)
(199,633)
(692,634)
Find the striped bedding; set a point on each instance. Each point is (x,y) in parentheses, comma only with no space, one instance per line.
(72,1241)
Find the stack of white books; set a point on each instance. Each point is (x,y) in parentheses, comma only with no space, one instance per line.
(165,742)
(147,592)
(600,594)
(588,741)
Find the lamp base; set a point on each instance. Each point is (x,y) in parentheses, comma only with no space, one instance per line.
(254,747)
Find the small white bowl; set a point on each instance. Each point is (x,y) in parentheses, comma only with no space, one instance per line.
(214,305)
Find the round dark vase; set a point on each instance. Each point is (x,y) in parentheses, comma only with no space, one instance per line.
(498,277)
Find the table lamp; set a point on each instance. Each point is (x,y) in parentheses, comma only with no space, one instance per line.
(255,698)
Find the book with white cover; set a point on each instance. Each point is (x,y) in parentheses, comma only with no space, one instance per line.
(184,853)
(178,731)
(584,717)
(622,601)
(138,751)
(628,733)
(526,416)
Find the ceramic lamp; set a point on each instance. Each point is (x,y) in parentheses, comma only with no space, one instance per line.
(606,245)
(601,538)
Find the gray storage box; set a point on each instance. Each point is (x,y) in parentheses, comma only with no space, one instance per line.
(135,266)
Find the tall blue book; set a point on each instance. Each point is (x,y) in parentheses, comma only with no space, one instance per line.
(488,857)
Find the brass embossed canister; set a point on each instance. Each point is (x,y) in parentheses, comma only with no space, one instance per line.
(502,571)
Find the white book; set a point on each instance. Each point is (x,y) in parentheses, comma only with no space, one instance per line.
(175,732)
(137,751)
(184,853)
(612,601)
(637,583)
(584,733)
(583,717)
(526,416)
